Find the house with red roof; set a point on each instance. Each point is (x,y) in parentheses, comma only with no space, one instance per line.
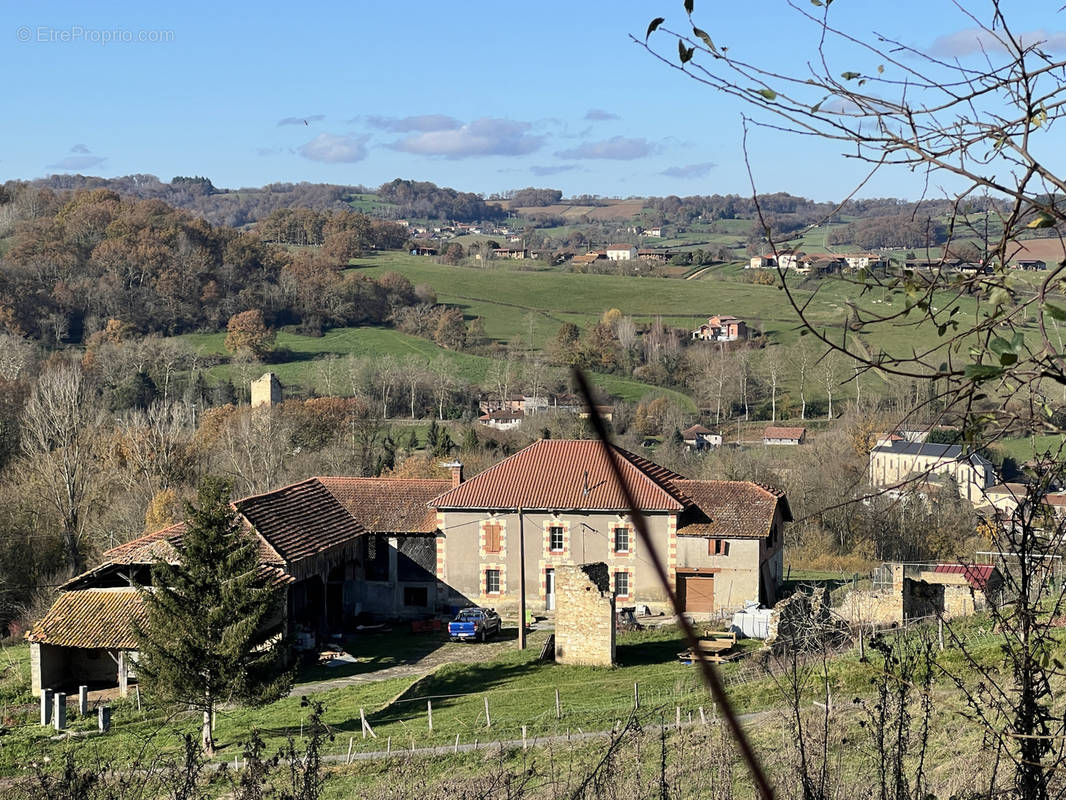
(722,328)
(344,547)
(776,434)
(557,501)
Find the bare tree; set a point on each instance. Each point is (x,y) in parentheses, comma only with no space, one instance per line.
(60,437)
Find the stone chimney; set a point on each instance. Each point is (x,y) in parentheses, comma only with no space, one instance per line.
(456,469)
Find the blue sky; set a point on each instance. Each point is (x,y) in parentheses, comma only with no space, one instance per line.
(480,96)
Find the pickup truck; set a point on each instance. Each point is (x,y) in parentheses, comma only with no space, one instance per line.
(474,624)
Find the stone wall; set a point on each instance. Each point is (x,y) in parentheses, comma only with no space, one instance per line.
(584,615)
(869,607)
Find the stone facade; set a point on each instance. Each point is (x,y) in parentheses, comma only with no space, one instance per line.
(266,391)
(584,616)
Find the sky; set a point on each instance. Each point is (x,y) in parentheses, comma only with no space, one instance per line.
(482,97)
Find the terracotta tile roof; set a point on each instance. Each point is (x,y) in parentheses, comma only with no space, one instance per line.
(159,545)
(619,246)
(774,432)
(91,618)
(300,520)
(553,474)
(389,505)
(729,509)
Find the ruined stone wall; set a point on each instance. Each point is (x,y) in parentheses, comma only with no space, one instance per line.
(870,607)
(584,615)
(921,599)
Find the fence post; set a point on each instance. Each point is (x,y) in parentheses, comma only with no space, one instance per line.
(351,741)
(939,628)
(429,713)
(636,696)
(488,719)
(59,713)
(103,718)
(457,743)
(523,737)
(703,717)
(46,706)
(677,717)
(558,708)
(862,644)
(83,701)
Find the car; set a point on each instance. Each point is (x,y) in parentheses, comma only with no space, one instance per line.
(474,624)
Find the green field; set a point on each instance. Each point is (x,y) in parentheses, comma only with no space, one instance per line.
(379,342)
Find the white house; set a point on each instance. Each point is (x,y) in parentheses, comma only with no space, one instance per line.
(897,462)
(621,252)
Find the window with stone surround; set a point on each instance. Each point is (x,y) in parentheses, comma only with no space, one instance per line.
(621,584)
(492,581)
(556,541)
(621,539)
(492,537)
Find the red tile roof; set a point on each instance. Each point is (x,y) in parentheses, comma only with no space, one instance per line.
(389,505)
(729,509)
(563,474)
(158,545)
(977,575)
(300,520)
(91,618)
(774,432)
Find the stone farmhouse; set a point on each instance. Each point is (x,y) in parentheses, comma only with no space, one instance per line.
(722,328)
(721,540)
(345,549)
(775,434)
(893,463)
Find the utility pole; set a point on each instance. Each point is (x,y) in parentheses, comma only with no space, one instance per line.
(521,581)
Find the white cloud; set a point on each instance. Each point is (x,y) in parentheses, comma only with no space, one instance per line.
(970,41)
(421,122)
(301,120)
(617,147)
(599,115)
(689,170)
(334,149)
(482,137)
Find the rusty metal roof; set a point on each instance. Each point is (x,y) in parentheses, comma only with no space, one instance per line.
(565,474)
(729,509)
(389,505)
(92,618)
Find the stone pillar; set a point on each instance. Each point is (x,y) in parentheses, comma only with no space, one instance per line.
(83,701)
(123,674)
(584,615)
(266,391)
(46,706)
(103,718)
(59,713)
(35,668)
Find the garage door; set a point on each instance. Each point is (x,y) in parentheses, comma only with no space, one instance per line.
(698,592)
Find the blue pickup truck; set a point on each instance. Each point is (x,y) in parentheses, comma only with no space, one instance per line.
(474,624)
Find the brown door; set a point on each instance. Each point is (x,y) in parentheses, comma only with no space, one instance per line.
(698,593)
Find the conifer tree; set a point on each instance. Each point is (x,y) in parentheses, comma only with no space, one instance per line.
(207,638)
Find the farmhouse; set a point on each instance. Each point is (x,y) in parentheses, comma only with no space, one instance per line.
(721,540)
(774,434)
(504,420)
(1030,264)
(621,252)
(698,438)
(897,462)
(762,262)
(722,328)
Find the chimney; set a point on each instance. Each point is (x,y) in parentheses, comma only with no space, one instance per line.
(456,469)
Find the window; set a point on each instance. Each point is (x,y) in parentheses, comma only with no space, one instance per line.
(555,538)
(621,540)
(492,537)
(416,596)
(717,547)
(621,584)
(492,581)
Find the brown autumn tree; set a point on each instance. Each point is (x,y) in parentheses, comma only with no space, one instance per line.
(248,332)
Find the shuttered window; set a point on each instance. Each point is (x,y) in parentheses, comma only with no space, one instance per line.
(492,537)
